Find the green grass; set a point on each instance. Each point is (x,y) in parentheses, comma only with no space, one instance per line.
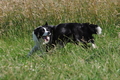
(72,62)
(19,18)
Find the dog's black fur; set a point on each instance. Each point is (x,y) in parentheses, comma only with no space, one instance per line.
(66,32)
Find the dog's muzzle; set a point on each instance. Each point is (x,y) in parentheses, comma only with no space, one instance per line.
(46,38)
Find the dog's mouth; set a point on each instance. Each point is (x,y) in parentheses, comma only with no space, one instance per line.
(46,39)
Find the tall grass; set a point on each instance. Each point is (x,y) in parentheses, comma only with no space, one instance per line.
(24,15)
(18,18)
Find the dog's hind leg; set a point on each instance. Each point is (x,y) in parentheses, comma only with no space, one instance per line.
(93,43)
(94,46)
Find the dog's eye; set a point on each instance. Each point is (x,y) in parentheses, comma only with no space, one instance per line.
(47,29)
(43,30)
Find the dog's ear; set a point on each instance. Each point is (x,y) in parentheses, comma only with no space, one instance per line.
(46,24)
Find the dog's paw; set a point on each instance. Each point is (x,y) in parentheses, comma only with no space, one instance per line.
(42,55)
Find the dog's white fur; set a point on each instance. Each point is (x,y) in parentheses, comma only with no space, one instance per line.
(46,32)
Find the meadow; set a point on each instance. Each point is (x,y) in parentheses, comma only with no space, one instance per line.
(18,18)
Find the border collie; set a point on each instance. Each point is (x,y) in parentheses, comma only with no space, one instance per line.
(61,34)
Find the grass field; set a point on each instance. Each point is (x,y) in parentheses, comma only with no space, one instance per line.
(18,18)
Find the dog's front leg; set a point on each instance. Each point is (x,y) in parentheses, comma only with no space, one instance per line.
(34,49)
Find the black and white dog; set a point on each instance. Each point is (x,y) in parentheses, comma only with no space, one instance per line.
(63,33)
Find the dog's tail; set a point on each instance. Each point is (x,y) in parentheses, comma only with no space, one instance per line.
(99,30)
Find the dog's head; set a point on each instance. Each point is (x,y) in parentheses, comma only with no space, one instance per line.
(94,29)
(44,33)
